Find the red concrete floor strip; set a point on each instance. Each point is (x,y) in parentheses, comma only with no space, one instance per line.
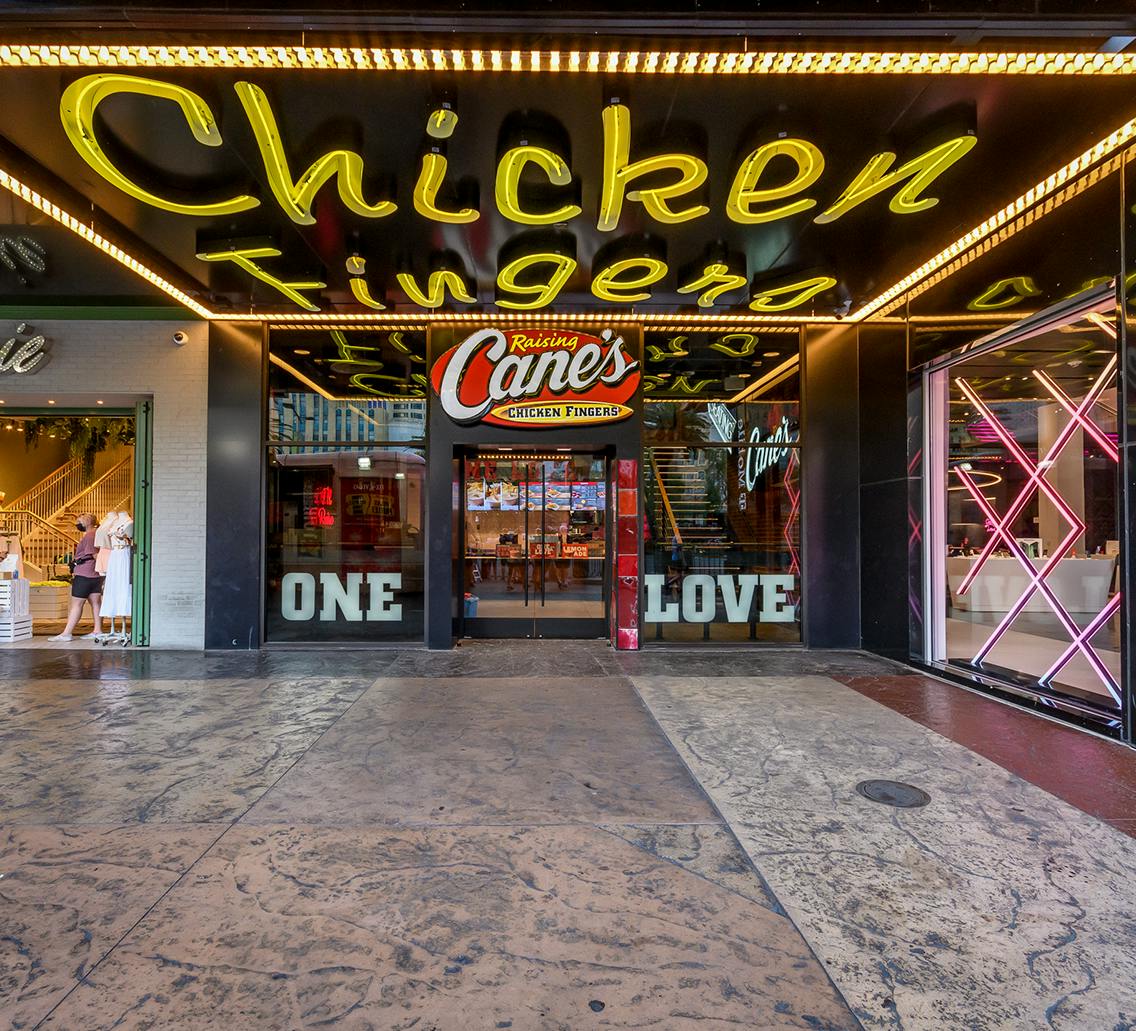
(1095,775)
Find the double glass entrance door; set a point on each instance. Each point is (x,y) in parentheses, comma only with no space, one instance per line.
(535,545)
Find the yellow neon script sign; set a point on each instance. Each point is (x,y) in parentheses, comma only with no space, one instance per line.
(923,170)
(619,171)
(744,193)
(794,294)
(77,111)
(507,187)
(296,196)
(541,294)
(244,258)
(1005,293)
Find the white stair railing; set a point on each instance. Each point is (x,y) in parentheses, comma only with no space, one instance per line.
(51,493)
(41,543)
(111,492)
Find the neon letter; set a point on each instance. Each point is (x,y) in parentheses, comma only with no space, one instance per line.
(744,192)
(509,178)
(243,258)
(805,290)
(77,112)
(716,279)
(542,293)
(1013,289)
(296,197)
(924,169)
(430,180)
(607,280)
(618,173)
(437,285)
(357,268)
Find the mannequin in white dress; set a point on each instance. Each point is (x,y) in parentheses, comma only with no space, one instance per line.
(117,591)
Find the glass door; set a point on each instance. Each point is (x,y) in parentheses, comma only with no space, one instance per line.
(535,545)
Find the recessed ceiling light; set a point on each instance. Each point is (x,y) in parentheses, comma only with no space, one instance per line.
(300,350)
(769,354)
(98,402)
(51,402)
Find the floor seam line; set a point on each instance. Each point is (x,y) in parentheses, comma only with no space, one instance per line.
(781,908)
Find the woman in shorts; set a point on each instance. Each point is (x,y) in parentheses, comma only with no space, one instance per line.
(86,584)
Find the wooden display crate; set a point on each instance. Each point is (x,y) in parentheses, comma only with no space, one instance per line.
(49,601)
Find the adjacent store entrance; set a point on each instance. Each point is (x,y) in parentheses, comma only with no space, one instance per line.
(535,541)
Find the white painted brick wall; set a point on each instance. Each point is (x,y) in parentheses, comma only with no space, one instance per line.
(90,360)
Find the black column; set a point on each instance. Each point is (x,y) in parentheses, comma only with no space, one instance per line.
(234,520)
(883,490)
(440,571)
(830,498)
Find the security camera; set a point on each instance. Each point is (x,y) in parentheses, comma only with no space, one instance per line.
(181,338)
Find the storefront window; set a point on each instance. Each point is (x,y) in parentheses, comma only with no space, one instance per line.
(1026,490)
(722,520)
(346,473)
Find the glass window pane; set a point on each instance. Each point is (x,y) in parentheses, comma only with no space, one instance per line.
(1031,512)
(722,548)
(346,386)
(344,547)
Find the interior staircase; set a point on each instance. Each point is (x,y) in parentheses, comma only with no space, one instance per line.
(44,515)
(679,505)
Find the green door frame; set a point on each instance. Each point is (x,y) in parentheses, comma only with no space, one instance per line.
(143,415)
(143,520)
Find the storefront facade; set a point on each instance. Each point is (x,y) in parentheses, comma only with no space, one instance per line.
(688,345)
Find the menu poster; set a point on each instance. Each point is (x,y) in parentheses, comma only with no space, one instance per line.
(492,495)
(557,497)
(475,496)
(588,496)
(535,496)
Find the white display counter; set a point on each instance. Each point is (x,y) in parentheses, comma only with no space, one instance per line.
(1080,584)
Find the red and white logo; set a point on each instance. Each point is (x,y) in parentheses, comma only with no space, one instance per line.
(536,378)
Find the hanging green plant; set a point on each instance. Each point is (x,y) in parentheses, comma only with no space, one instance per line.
(85,436)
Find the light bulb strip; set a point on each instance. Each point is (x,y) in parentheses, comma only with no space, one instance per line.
(69,221)
(624,62)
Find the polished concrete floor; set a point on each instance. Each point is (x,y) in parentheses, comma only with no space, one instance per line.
(548,836)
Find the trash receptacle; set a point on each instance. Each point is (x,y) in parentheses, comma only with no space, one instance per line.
(471,601)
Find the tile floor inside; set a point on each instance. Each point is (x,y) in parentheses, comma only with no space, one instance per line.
(553,836)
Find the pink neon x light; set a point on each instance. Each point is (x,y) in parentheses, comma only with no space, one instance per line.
(1037,582)
(794,512)
(1084,637)
(1036,479)
(1080,639)
(1076,413)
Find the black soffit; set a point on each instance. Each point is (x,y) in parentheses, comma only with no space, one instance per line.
(1027,126)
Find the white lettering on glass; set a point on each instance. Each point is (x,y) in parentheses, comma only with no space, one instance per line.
(340,600)
(698,599)
(657,612)
(775,607)
(382,587)
(345,599)
(700,595)
(305,606)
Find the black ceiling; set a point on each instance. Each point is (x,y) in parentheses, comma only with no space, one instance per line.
(1026,127)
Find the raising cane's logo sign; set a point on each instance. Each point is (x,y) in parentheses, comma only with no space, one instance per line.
(536,378)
